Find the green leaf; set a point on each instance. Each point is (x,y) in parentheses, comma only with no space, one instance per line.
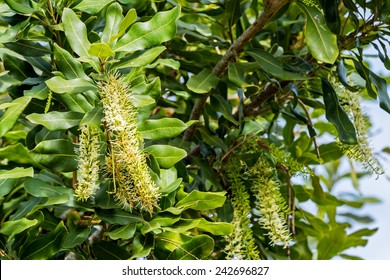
(56,154)
(322,43)
(75,102)
(381,85)
(78,85)
(76,236)
(93,117)
(100,50)
(271,65)
(129,19)
(118,217)
(220,104)
(114,18)
(203,82)
(67,64)
(199,247)
(26,208)
(17,172)
(17,153)
(166,155)
(125,232)
(108,250)
(212,140)
(27,48)
(162,128)
(38,188)
(11,116)
(45,247)
(56,120)
(140,58)
(20,6)
(233,11)
(142,35)
(202,200)
(6,186)
(10,228)
(92,6)
(337,116)
(18,69)
(76,32)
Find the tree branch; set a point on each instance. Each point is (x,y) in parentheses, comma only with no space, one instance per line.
(270,10)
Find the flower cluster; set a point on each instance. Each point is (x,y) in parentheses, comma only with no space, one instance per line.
(240,243)
(134,187)
(269,202)
(361,152)
(88,166)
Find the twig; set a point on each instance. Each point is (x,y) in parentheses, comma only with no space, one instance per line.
(270,10)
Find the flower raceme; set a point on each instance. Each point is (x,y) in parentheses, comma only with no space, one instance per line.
(88,166)
(133,185)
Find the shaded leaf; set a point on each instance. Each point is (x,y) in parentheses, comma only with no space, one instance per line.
(45,247)
(337,116)
(199,247)
(27,48)
(67,64)
(76,236)
(20,6)
(118,217)
(38,188)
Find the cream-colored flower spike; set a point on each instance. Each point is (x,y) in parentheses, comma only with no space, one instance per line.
(88,167)
(270,203)
(134,187)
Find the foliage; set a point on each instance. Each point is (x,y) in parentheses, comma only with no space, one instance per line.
(186,129)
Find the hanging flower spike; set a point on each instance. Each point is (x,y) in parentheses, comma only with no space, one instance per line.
(270,203)
(241,244)
(88,167)
(126,160)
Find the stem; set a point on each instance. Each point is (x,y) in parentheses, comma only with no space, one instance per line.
(270,10)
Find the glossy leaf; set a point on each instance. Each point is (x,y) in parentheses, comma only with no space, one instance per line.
(114,18)
(381,85)
(77,85)
(271,65)
(125,232)
(199,247)
(76,32)
(166,155)
(202,200)
(100,50)
(162,128)
(93,117)
(17,226)
(140,58)
(56,120)
(20,6)
(322,43)
(11,116)
(67,64)
(221,105)
(129,19)
(337,116)
(203,82)
(17,172)
(142,35)
(92,6)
